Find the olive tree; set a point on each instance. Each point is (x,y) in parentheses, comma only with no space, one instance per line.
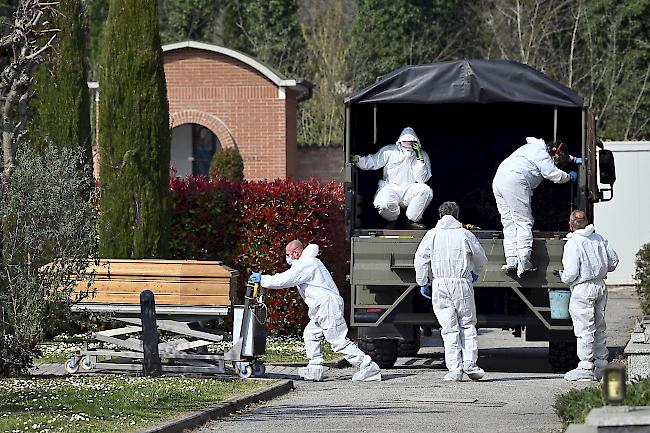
(48,226)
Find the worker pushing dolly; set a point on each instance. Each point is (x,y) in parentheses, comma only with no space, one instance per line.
(321,295)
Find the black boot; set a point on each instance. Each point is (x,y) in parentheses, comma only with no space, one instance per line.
(391,225)
(412,225)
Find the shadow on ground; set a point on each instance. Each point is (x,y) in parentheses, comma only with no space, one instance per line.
(502,360)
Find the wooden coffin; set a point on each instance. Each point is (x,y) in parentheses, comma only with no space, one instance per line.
(173,282)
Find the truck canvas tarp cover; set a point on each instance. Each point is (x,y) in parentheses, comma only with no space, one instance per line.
(468,81)
(469,116)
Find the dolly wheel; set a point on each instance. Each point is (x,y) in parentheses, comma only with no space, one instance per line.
(71,365)
(259,369)
(245,372)
(85,363)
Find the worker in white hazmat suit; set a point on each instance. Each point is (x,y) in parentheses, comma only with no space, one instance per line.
(406,169)
(325,304)
(455,258)
(586,260)
(513,185)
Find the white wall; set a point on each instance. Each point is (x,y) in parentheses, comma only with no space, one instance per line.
(625,220)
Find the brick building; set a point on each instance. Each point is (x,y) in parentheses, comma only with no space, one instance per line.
(323,163)
(220,98)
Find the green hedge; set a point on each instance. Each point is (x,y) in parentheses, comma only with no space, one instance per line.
(227,164)
(642,276)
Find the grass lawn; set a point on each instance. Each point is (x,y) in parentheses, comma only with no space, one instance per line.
(278,349)
(293,350)
(107,403)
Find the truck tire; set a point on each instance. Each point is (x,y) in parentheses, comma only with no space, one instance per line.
(562,355)
(409,347)
(382,351)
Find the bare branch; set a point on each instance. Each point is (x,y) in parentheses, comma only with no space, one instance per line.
(40,50)
(573,45)
(637,103)
(21,49)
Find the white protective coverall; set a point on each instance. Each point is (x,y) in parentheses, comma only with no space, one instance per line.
(586,260)
(403,182)
(513,186)
(452,253)
(325,304)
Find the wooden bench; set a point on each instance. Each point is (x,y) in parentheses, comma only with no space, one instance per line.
(173,282)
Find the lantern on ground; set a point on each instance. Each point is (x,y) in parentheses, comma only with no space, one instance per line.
(614,384)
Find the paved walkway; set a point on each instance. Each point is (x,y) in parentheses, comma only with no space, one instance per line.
(517,394)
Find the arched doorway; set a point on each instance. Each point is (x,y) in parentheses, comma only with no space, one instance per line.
(193,146)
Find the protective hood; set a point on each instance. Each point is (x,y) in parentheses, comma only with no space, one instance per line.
(310,250)
(587,231)
(539,142)
(533,140)
(448,222)
(468,81)
(408,134)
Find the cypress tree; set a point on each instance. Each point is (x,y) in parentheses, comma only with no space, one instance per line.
(134,141)
(61,105)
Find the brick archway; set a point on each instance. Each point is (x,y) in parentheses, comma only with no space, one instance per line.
(207,120)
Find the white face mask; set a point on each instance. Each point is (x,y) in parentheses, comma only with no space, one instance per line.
(406,147)
(289,260)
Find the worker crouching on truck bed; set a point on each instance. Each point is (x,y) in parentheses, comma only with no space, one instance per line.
(586,260)
(406,169)
(456,258)
(326,320)
(513,185)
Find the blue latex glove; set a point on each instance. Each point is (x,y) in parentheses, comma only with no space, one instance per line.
(255,277)
(558,273)
(574,176)
(577,160)
(425,291)
(474,277)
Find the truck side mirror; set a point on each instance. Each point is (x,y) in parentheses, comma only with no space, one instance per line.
(606,166)
(607,173)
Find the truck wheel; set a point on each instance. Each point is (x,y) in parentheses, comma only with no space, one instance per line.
(382,351)
(562,355)
(409,347)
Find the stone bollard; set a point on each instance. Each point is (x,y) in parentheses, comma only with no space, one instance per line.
(637,351)
(151,365)
(615,419)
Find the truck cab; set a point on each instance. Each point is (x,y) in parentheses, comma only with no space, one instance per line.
(469,116)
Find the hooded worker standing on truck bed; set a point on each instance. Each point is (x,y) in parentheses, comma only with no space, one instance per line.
(586,260)
(456,258)
(326,320)
(406,169)
(513,185)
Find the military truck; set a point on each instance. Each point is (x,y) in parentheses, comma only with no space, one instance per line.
(469,116)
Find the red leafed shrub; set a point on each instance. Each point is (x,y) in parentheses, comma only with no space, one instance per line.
(248,224)
(204,222)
